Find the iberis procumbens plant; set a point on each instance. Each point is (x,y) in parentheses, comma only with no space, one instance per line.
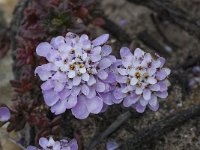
(81,75)
(140,79)
(51,144)
(76,72)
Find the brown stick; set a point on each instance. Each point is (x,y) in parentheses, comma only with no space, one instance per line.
(160,128)
(113,127)
(173,14)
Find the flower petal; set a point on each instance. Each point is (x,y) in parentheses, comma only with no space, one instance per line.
(127,62)
(111,78)
(64,93)
(50,97)
(85,89)
(167,70)
(138,90)
(112,145)
(100,40)
(107,98)
(122,71)
(64,48)
(71,35)
(104,63)
(156,64)
(111,58)
(102,74)
(139,108)
(92,93)
(121,79)
(58,86)
(118,94)
(85,77)
(95,58)
(163,94)
(51,142)
(134,81)
(100,86)
(75,90)
(84,37)
(56,146)
(155,87)
(71,74)
(4,114)
(162,60)
(138,53)
(146,94)
(143,102)
(59,40)
(127,89)
(43,74)
(60,77)
(43,142)
(151,71)
(130,100)
(163,86)
(151,80)
(43,49)
(71,102)
(86,45)
(73,144)
(47,85)
(96,50)
(80,111)
(161,75)
(91,81)
(117,101)
(153,101)
(124,52)
(82,70)
(94,105)
(32,148)
(76,80)
(154,108)
(106,50)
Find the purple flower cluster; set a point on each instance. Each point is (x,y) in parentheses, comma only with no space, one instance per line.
(77,73)
(4,114)
(81,75)
(141,80)
(50,144)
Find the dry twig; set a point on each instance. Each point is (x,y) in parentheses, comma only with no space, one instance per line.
(116,124)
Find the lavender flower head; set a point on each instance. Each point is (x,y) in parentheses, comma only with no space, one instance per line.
(4,114)
(50,144)
(141,80)
(76,76)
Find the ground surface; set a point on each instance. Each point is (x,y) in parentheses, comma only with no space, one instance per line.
(135,19)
